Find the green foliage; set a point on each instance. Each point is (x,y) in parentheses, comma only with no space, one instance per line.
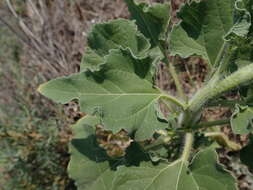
(101,168)
(116,34)
(152,21)
(203,27)
(241,121)
(204,172)
(116,89)
(122,94)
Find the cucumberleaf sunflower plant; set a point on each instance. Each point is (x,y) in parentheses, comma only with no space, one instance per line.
(125,141)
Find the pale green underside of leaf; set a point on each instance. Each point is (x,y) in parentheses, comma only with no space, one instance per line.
(115,34)
(203,28)
(152,20)
(241,120)
(204,173)
(122,94)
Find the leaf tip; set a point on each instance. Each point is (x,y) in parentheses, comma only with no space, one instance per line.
(40,88)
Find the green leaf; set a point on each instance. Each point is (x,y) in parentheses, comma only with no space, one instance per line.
(185,46)
(209,174)
(89,165)
(247,4)
(91,168)
(242,53)
(241,45)
(162,177)
(241,120)
(152,20)
(115,34)
(242,21)
(203,28)
(204,174)
(122,94)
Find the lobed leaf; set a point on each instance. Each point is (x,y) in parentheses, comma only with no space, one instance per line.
(204,173)
(242,21)
(152,20)
(241,45)
(89,165)
(115,34)
(203,28)
(209,174)
(92,169)
(122,94)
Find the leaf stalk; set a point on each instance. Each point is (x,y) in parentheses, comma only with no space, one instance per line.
(212,123)
(173,100)
(226,103)
(174,75)
(189,139)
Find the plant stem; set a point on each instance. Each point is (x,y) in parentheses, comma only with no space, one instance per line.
(220,54)
(174,75)
(204,125)
(225,103)
(189,138)
(227,57)
(173,100)
(218,87)
(223,140)
(176,80)
(212,123)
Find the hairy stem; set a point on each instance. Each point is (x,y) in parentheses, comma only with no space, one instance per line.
(189,138)
(218,87)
